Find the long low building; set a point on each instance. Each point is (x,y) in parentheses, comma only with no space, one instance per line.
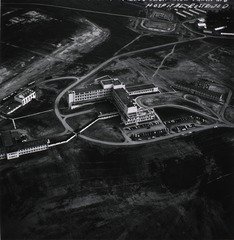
(121,95)
(12,147)
(199,91)
(93,92)
(26,148)
(20,149)
(141,89)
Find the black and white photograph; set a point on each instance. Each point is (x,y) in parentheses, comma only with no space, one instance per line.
(117,120)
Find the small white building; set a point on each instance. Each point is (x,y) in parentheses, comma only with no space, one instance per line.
(25,96)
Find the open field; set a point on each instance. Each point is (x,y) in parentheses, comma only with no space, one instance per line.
(150,41)
(104,107)
(170,113)
(46,94)
(39,126)
(49,44)
(105,130)
(6,124)
(167,66)
(56,85)
(42,33)
(136,70)
(79,186)
(80,121)
(179,188)
(172,98)
(207,62)
(229,114)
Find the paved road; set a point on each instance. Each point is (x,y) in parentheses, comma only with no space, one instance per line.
(138,100)
(101,66)
(132,143)
(164,59)
(33,114)
(104,64)
(201,105)
(226,105)
(56,109)
(71,8)
(61,117)
(189,29)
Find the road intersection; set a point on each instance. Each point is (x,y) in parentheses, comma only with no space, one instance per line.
(77,80)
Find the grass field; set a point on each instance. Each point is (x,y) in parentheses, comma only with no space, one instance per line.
(6,124)
(229,114)
(170,113)
(43,125)
(106,130)
(80,121)
(168,98)
(41,43)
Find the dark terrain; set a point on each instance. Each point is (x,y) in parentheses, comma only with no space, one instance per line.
(166,190)
(174,189)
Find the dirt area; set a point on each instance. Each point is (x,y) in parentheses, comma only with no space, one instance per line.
(106,130)
(183,64)
(173,189)
(136,70)
(41,125)
(83,192)
(6,124)
(56,85)
(82,38)
(229,114)
(172,98)
(214,106)
(173,113)
(189,65)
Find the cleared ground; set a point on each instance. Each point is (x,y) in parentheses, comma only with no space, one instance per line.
(43,125)
(84,191)
(106,130)
(172,98)
(229,114)
(80,121)
(49,43)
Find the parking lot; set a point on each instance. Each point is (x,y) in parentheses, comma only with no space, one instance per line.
(149,135)
(197,119)
(142,126)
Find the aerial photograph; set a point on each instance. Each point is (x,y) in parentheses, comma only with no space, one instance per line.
(117,120)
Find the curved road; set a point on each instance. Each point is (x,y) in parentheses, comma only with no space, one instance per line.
(62,118)
(104,64)
(71,8)
(176,106)
(133,143)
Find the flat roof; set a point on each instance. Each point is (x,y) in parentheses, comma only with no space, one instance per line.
(25,93)
(196,88)
(107,82)
(24,145)
(105,77)
(117,82)
(140,87)
(123,95)
(90,88)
